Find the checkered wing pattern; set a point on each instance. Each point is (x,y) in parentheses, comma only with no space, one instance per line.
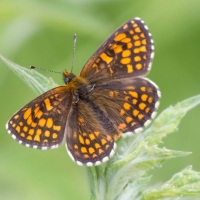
(41,123)
(109,99)
(89,138)
(127,52)
(129,104)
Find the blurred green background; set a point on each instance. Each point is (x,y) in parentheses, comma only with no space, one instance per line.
(40,33)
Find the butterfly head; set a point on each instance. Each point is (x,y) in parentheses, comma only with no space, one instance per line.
(68,76)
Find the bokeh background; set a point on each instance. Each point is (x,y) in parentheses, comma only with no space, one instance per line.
(40,33)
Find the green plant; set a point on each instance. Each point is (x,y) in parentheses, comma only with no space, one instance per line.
(126,175)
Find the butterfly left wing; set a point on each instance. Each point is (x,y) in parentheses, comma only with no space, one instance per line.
(89,135)
(41,123)
(128,52)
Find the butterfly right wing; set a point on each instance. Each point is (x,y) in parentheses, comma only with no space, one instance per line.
(41,123)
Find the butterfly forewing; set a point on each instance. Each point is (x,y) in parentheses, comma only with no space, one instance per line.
(41,123)
(127,52)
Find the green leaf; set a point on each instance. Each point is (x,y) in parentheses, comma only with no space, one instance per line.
(183,184)
(169,119)
(36,81)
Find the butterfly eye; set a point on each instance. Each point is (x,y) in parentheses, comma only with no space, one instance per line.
(67,80)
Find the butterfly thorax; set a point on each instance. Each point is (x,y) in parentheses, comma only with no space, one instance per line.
(75,83)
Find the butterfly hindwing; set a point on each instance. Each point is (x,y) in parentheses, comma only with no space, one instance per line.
(41,123)
(127,52)
(89,138)
(130,104)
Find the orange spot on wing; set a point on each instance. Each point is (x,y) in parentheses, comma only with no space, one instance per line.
(144,97)
(91,136)
(91,150)
(97,145)
(138,66)
(144,42)
(118,49)
(106,58)
(135,37)
(126,40)
(49,123)
(16,116)
(150,99)
(121,126)
(122,112)
(137,58)
(29,137)
(140,116)
(120,37)
(31,131)
(143,89)
(136,50)
(103,141)
(125,61)
(22,135)
(100,151)
(143,49)
(86,156)
(129,68)
(135,112)
(125,26)
(29,120)
(83,150)
(27,113)
(33,124)
(94,155)
(134,94)
(56,128)
(42,122)
(137,30)
(129,45)
(147,110)
(81,139)
(47,133)
(87,141)
(48,104)
(126,53)
(127,106)
(142,106)
(25,128)
(129,119)
(137,43)
(134,101)
(55,135)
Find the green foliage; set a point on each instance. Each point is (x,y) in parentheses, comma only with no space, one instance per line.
(126,175)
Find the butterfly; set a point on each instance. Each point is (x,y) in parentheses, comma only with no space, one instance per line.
(110,98)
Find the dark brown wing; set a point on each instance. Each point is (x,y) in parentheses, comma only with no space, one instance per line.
(41,123)
(89,138)
(129,104)
(127,52)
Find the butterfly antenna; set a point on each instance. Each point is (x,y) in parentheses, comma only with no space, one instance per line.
(47,70)
(73,57)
